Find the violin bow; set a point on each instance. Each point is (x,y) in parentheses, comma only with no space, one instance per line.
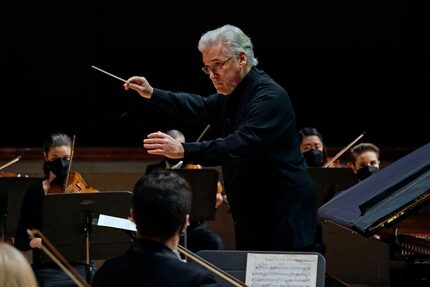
(233,280)
(59,259)
(330,162)
(10,162)
(66,182)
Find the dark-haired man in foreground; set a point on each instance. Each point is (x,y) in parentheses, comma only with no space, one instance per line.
(161,208)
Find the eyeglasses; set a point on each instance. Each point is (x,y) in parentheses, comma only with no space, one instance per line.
(215,68)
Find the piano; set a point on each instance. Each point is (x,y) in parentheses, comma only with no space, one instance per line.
(387,214)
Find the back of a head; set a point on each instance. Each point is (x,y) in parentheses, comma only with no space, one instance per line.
(233,38)
(161,200)
(15,271)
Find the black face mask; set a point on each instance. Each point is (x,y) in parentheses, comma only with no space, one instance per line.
(366,171)
(58,167)
(314,157)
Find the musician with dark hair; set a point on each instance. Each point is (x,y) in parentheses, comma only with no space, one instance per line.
(161,208)
(57,150)
(312,147)
(365,160)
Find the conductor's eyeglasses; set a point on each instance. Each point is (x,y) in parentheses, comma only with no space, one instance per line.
(215,68)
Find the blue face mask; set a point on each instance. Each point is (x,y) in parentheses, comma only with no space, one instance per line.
(366,171)
(314,157)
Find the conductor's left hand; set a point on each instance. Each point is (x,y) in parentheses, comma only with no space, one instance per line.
(162,144)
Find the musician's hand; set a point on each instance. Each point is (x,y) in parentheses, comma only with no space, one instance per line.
(162,144)
(140,85)
(36,243)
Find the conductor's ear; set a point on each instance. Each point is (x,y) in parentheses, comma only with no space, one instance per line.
(243,60)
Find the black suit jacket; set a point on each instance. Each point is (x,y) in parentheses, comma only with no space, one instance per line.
(265,175)
(149,263)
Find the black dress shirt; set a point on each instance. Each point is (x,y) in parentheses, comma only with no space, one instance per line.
(272,197)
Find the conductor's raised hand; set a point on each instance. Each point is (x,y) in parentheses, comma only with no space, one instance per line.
(140,85)
(162,144)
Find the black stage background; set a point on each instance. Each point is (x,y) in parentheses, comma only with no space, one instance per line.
(348,67)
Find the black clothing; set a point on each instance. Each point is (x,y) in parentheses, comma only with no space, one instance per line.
(30,218)
(199,236)
(47,274)
(272,197)
(149,263)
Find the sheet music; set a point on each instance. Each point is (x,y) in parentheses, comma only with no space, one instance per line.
(293,270)
(116,222)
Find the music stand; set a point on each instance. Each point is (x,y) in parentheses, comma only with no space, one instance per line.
(203,183)
(330,181)
(234,263)
(67,223)
(12,190)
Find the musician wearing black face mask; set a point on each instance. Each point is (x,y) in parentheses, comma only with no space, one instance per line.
(58,167)
(314,157)
(56,153)
(366,171)
(312,147)
(365,160)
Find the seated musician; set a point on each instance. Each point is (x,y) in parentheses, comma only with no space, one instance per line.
(312,147)
(199,236)
(14,268)
(161,207)
(365,160)
(56,152)
(315,153)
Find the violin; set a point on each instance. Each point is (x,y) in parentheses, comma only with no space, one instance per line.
(78,184)
(74,182)
(338,164)
(9,174)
